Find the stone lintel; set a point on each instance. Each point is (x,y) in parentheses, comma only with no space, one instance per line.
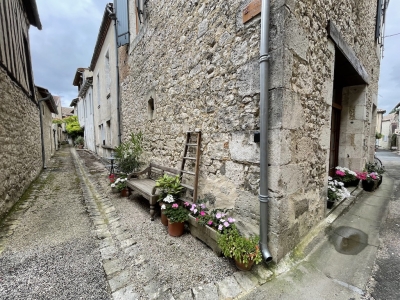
(347,51)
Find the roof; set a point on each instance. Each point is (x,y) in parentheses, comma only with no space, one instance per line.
(77,77)
(74,102)
(44,93)
(381,111)
(105,24)
(32,13)
(66,111)
(389,117)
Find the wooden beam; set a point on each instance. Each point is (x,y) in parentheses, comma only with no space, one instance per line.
(251,10)
(347,51)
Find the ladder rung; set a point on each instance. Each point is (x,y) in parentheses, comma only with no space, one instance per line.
(187,186)
(187,172)
(191,158)
(191,145)
(195,132)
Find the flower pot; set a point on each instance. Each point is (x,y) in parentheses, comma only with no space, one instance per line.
(206,234)
(125,192)
(164,219)
(329,204)
(114,190)
(176,229)
(242,266)
(380,181)
(111,177)
(369,186)
(351,183)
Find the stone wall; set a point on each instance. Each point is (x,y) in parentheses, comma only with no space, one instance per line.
(199,63)
(20,147)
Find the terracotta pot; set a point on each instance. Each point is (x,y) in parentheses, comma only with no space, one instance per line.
(125,192)
(164,219)
(241,266)
(176,229)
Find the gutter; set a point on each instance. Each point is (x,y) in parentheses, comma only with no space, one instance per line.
(264,84)
(113,16)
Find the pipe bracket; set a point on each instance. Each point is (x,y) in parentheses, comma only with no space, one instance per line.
(264,198)
(264,57)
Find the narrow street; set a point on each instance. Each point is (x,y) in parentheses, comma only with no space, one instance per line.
(48,250)
(384,283)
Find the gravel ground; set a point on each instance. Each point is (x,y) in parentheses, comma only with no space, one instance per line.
(158,262)
(49,251)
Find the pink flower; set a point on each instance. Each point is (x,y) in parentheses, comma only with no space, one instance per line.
(226,224)
(175,205)
(362,175)
(340,173)
(186,204)
(220,227)
(202,213)
(210,222)
(193,207)
(203,206)
(218,215)
(231,220)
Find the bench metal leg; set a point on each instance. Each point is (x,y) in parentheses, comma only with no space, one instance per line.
(152,212)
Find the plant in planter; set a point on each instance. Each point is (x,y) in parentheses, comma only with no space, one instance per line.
(79,142)
(169,185)
(128,154)
(347,176)
(177,215)
(163,203)
(243,250)
(370,183)
(120,185)
(380,170)
(336,192)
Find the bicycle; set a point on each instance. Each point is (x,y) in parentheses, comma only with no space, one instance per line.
(377,162)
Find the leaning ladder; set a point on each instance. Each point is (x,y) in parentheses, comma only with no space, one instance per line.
(191,154)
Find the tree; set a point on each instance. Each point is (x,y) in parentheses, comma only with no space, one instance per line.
(72,126)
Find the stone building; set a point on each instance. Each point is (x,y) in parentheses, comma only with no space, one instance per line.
(195,65)
(83,106)
(20,146)
(105,91)
(49,139)
(378,129)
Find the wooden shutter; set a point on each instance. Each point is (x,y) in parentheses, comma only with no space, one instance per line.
(122,13)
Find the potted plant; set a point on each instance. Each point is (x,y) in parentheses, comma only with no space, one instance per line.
(128,154)
(243,250)
(336,192)
(170,188)
(120,185)
(177,215)
(370,181)
(79,142)
(347,176)
(371,167)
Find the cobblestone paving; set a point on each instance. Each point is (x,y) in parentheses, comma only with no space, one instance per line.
(47,248)
(71,238)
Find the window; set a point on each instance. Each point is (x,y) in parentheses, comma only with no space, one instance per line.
(98,96)
(150,108)
(108,132)
(101,133)
(107,74)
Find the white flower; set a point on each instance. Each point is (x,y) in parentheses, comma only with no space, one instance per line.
(112,185)
(169,199)
(163,206)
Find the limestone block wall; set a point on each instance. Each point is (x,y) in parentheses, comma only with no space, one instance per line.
(20,159)
(48,136)
(199,64)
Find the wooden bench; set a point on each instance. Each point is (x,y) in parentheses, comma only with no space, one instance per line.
(147,186)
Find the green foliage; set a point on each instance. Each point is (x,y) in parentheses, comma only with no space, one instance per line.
(378,136)
(57,121)
(72,126)
(79,140)
(372,167)
(176,214)
(234,245)
(119,184)
(169,185)
(128,154)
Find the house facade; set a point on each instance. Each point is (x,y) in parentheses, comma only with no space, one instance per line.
(20,139)
(194,65)
(105,91)
(83,106)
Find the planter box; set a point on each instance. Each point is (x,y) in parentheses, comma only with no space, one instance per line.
(369,186)
(206,234)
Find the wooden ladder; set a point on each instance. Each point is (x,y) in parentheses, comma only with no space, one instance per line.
(193,139)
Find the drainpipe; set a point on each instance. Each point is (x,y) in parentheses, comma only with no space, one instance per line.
(264,83)
(48,97)
(114,17)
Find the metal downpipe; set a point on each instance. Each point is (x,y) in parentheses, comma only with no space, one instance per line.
(264,83)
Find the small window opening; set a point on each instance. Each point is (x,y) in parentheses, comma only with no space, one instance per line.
(150,108)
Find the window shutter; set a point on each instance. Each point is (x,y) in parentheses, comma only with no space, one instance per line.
(378,20)
(122,13)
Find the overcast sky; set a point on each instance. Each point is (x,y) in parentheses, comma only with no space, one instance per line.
(69,34)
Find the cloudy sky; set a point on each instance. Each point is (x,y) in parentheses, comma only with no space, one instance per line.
(69,34)
(65,43)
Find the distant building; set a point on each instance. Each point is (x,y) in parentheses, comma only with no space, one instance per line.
(378,129)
